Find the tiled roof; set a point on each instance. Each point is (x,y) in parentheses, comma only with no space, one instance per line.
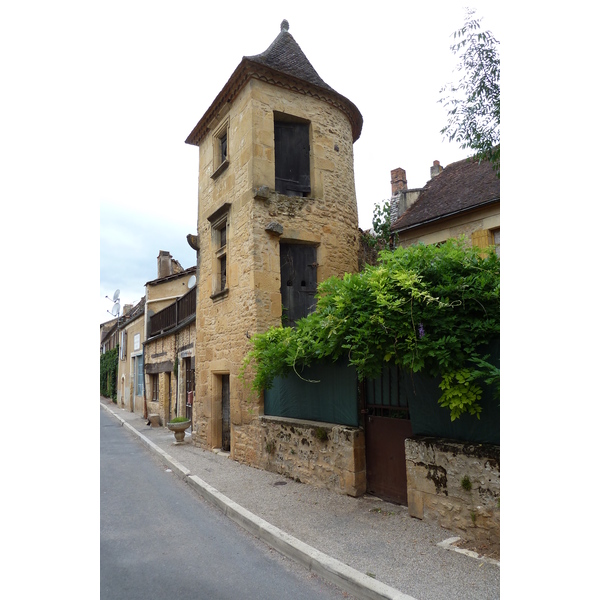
(188,271)
(283,64)
(461,186)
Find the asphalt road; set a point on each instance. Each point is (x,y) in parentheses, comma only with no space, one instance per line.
(160,540)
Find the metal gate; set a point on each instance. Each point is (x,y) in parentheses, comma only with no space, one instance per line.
(387,425)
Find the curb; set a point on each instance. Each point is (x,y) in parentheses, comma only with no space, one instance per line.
(330,569)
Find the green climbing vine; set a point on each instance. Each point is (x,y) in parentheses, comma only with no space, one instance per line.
(429,309)
(109,364)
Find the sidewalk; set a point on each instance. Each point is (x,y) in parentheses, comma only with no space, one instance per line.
(371,548)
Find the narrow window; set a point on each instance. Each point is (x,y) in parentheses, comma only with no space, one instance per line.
(219,225)
(292,158)
(223,272)
(154,388)
(223,147)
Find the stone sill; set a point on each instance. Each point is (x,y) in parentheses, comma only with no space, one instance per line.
(220,295)
(220,169)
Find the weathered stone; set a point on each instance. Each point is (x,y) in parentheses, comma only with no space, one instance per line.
(455,484)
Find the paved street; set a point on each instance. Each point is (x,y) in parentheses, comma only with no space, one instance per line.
(161,540)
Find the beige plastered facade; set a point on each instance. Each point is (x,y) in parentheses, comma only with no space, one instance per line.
(241,195)
(127,396)
(162,293)
(477,226)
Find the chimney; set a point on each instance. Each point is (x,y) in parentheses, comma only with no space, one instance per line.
(398,181)
(165,266)
(127,309)
(436,169)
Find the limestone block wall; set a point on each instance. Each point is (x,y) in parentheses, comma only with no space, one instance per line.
(456,484)
(321,454)
(158,359)
(326,219)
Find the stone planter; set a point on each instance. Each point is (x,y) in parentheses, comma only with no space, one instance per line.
(179,430)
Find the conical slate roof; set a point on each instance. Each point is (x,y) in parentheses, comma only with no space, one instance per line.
(282,64)
(284,55)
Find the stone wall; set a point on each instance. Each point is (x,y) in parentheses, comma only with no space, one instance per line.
(320,454)
(161,354)
(240,198)
(456,484)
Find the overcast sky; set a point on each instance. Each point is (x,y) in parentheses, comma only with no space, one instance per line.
(104,94)
(160,65)
(97,101)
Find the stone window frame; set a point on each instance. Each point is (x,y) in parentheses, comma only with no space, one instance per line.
(220,233)
(221,156)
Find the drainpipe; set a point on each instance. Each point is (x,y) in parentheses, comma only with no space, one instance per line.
(144,380)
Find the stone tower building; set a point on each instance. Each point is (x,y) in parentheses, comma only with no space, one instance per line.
(277,214)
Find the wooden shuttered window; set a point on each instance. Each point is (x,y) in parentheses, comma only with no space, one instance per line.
(292,158)
(298,281)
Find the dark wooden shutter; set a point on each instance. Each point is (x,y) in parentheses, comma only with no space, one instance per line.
(292,158)
(298,281)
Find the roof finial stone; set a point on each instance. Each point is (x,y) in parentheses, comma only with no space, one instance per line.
(285,26)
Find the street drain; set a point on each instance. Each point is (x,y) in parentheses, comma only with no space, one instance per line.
(280,483)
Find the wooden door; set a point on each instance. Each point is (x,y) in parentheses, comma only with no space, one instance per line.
(190,386)
(226,420)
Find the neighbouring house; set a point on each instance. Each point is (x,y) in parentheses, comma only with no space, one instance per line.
(277,214)
(170,358)
(453,478)
(169,317)
(109,335)
(166,310)
(460,199)
(130,394)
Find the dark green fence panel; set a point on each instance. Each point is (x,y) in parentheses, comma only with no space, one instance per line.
(427,417)
(334,399)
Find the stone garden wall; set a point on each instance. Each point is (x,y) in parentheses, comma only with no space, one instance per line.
(320,454)
(456,484)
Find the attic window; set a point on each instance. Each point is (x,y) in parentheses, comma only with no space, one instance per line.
(292,156)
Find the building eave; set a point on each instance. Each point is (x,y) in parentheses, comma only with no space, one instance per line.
(445,216)
(249,69)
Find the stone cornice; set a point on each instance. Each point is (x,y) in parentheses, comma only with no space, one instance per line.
(248,69)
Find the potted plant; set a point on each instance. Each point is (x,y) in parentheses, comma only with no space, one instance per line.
(178,425)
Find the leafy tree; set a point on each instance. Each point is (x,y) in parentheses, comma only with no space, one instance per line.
(473,104)
(425,308)
(381,236)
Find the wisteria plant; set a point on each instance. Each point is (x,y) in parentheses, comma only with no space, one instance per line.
(429,309)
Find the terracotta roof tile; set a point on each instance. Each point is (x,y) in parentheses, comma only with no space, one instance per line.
(461,186)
